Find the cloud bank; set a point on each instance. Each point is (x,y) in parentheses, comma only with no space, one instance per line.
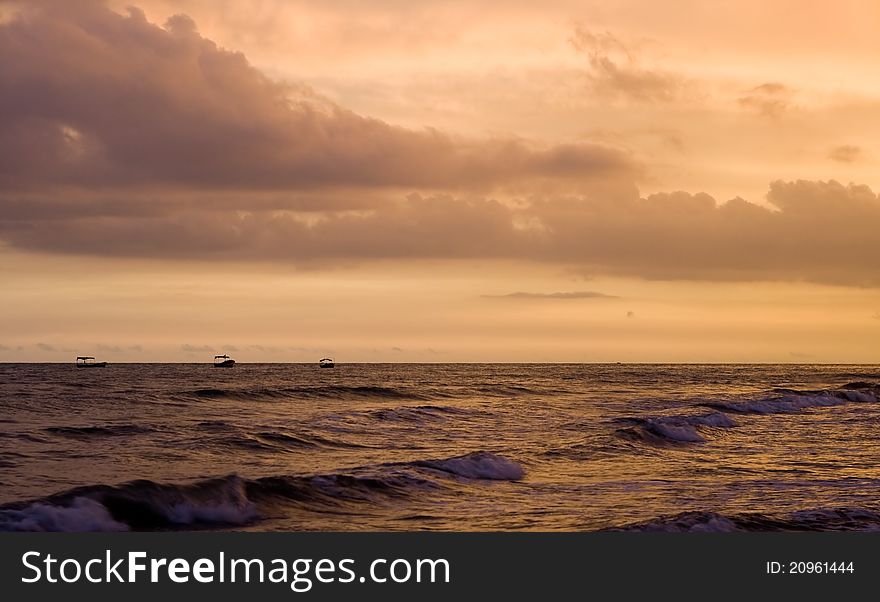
(94,98)
(119,137)
(814,231)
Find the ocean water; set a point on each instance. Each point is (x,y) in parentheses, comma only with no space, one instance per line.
(439,447)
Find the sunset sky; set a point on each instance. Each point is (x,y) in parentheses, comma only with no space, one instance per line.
(429,181)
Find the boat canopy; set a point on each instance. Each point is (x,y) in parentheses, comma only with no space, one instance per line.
(219,356)
(326,359)
(85,357)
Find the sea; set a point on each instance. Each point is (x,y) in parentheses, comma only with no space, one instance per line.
(448,447)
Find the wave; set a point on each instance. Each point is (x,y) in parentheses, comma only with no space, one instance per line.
(107,430)
(673,429)
(319,392)
(234,501)
(511,390)
(81,514)
(795,401)
(478,465)
(860,385)
(416,413)
(360,421)
(138,505)
(818,519)
(280,441)
(359,392)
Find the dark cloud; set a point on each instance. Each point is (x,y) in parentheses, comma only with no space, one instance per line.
(92,98)
(817,231)
(813,231)
(615,70)
(196,348)
(122,138)
(846,153)
(119,349)
(571,295)
(771,99)
(52,348)
(272,349)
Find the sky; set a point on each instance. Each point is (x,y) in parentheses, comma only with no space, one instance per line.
(398,181)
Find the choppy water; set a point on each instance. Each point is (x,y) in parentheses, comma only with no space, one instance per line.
(451,447)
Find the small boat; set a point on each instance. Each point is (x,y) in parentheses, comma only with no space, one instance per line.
(87,361)
(223,361)
(327,363)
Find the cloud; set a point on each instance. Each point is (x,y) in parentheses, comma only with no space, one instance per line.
(771,99)
(119,349)
(816,231)
(813,231)
(196,348)
(96,99)
(876,316)
(846,153)
(53,348)
(572,295)
(272,349)
(630,314)
(616,72)
(122,138)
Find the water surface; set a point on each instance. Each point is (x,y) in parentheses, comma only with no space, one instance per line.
(439,446)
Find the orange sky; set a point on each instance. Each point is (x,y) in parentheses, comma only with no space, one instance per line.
(439,181)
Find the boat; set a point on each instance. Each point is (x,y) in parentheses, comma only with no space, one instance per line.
(327,363)
(223,361)
(87,361)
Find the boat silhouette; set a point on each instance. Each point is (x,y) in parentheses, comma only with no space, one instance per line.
(87,361)
(223,361)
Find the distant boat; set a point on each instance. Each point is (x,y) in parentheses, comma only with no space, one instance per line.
(223,361)
(87,361)
(327,363)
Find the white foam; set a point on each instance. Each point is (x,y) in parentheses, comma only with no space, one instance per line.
(716,419)
(481,465)
(82,514)
(784,405)
(689,522)
(683,432)
(684,429)
(231,505)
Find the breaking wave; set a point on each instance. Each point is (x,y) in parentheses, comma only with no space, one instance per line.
(794,401)
(234,501)
(139,505)
(818,519)
(478,465)
(673,429)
